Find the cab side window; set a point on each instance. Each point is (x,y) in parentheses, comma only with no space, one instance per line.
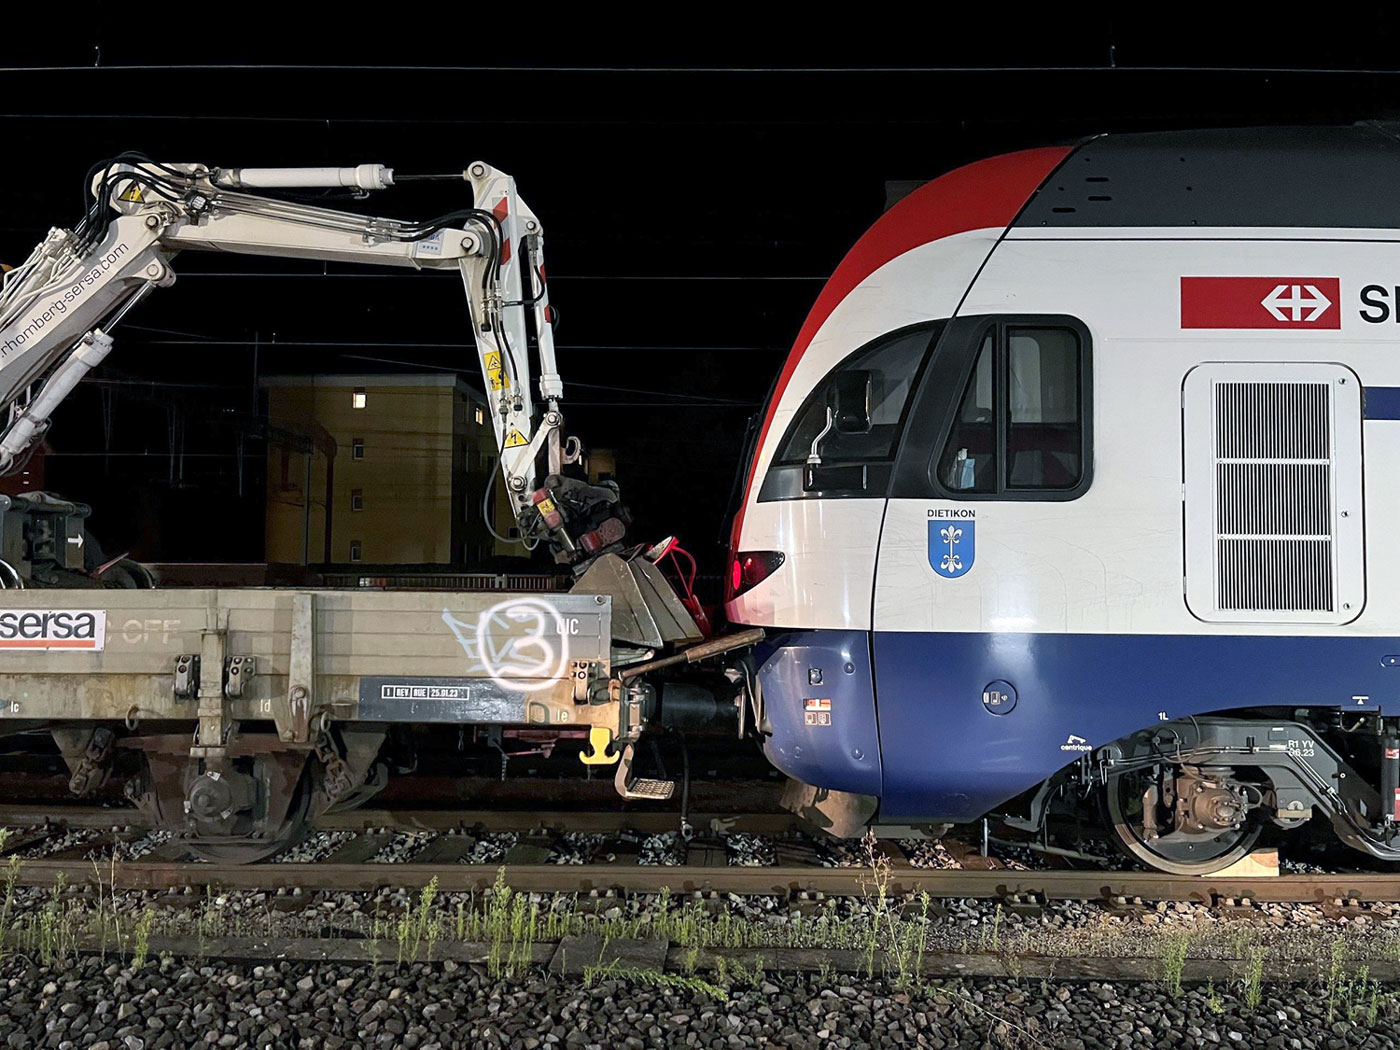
(885,372)
(842,440)
(1020,429)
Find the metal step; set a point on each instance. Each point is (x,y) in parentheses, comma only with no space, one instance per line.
(639,788)
(649,790)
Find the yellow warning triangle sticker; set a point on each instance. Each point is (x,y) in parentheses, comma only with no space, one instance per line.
(495,373)
(132,194)
(515,439)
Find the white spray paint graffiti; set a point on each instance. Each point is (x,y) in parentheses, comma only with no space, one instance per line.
(520,644)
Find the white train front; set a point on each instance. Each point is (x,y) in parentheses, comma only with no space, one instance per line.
(1078,486)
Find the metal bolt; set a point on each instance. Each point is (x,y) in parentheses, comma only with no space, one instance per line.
(153,270)
(531,224)
(850,668)
(152,222)
(478,170)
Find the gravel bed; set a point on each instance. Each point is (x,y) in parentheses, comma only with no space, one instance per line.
(316,846)
(929,853)
(750,851)
(666,849)
(97,1005)
(67,840)
(491,849)
(1287,866)
(403,846)
(576,847)
(138,848)
(841,853)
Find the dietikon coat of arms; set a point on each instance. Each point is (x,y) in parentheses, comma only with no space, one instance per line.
(952,546)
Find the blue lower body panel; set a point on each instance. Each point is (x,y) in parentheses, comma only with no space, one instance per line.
(952,725)
(819,696)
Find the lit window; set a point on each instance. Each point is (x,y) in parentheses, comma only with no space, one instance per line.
(357,448)
(357,399)
(357,499)
(480,417)
(356,550)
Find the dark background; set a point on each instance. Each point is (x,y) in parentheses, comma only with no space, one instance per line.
(696,189)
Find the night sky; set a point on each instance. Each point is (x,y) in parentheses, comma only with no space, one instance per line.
(694,196)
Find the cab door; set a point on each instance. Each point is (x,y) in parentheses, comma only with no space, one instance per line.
(976,545)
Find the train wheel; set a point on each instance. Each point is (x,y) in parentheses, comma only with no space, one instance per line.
(288,833)
(1144,827)
(233,813)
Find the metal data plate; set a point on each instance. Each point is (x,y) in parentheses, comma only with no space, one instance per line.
(471,700)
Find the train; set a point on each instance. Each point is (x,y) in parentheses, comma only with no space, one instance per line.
(1070,502)
(1074,497)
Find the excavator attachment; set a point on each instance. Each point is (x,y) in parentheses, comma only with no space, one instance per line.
(645,609)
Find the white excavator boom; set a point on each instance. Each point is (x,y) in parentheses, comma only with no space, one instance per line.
(58,308)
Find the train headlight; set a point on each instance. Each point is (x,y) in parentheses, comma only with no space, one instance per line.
(750,568)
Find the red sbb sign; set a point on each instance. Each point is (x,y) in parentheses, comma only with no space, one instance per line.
(1261,302)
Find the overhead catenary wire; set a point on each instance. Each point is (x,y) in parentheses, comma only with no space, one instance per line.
(1113,67)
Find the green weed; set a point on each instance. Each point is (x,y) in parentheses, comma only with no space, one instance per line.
(1251,986)
(1174,949)
(143,938)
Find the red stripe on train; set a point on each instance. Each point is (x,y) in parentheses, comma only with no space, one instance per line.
(983,195)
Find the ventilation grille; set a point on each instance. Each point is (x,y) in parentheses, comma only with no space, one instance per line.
(1273,498)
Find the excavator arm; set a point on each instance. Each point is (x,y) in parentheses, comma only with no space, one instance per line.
(58,308)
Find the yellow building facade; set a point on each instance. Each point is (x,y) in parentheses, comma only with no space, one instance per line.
(400,462)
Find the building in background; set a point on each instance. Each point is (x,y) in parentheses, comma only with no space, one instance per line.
(380,470)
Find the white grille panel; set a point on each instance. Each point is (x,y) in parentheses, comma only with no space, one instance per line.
(1273,479)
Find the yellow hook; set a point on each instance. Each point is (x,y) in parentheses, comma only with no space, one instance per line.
(599,751)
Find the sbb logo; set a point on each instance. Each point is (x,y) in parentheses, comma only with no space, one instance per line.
(1261,302)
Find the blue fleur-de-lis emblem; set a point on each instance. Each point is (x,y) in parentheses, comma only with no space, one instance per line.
(952,546)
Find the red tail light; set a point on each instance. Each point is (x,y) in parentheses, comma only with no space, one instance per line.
(750,568)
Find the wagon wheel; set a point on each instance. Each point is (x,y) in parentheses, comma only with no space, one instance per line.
(288,833)
(298,785)
(1177,852)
